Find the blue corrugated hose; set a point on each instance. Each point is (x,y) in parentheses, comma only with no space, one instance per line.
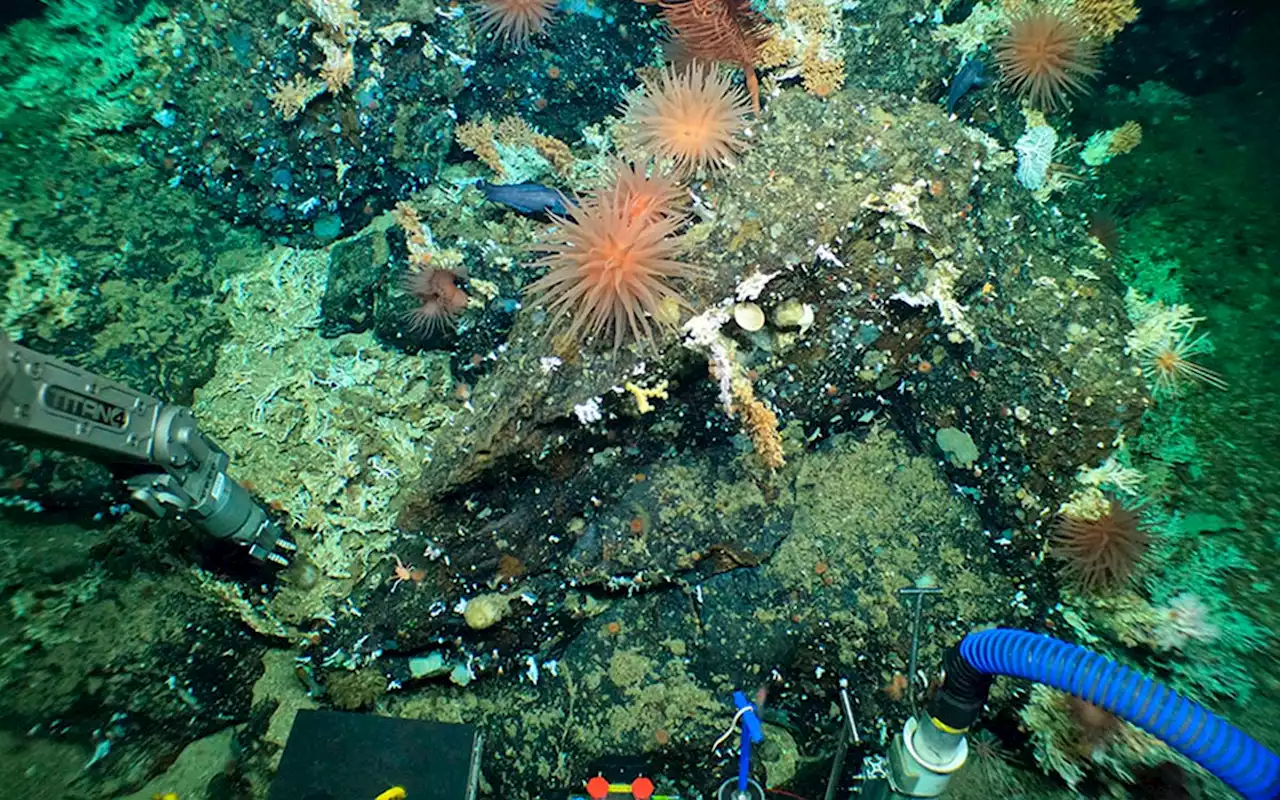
(1188,727)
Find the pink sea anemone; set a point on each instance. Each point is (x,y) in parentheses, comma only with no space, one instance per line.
(439,299)
(1046,58)
(515,21)
(1099,554)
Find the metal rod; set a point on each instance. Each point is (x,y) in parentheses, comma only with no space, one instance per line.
(915,651)
(917,594)
(837,763)
(849,729)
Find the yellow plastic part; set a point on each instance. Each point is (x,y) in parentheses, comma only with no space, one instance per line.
(394,793)
(945,728)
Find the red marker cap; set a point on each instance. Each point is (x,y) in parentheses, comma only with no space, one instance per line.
(642,789)
(598,788)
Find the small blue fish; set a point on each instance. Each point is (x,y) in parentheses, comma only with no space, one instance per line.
(972,75)
(527,198)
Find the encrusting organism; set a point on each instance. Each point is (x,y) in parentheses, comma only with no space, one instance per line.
(1125,138)
(1045,58)
(729,31)
(738,398)
(761,424)
(693,117)
(610,268)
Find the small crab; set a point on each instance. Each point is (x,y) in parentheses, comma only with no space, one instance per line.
(406,572)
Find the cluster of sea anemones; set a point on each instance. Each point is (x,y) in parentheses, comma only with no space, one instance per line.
(612,259)
(612,263)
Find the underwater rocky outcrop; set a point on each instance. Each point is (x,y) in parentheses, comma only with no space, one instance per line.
(945,306)
(907,350)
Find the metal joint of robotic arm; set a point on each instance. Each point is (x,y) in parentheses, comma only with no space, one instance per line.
(184,472)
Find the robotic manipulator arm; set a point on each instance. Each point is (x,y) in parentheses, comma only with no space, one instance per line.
(174,468)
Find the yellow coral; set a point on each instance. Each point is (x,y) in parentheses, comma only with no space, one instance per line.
(778,50)
(483,138)
(811,15)
(555,151)
(290,97)
(760,423)
(415,236)
(339,67)
(513,131)
(822,76)
(1125,138)
(1106,18)
(480,139)
(644,395)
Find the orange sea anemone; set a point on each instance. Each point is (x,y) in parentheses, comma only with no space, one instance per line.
(440,300)
(1046,58)
(693,117)
(514,21)
(647,197)
(611,269)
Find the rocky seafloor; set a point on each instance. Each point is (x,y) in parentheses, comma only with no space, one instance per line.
(582,551)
